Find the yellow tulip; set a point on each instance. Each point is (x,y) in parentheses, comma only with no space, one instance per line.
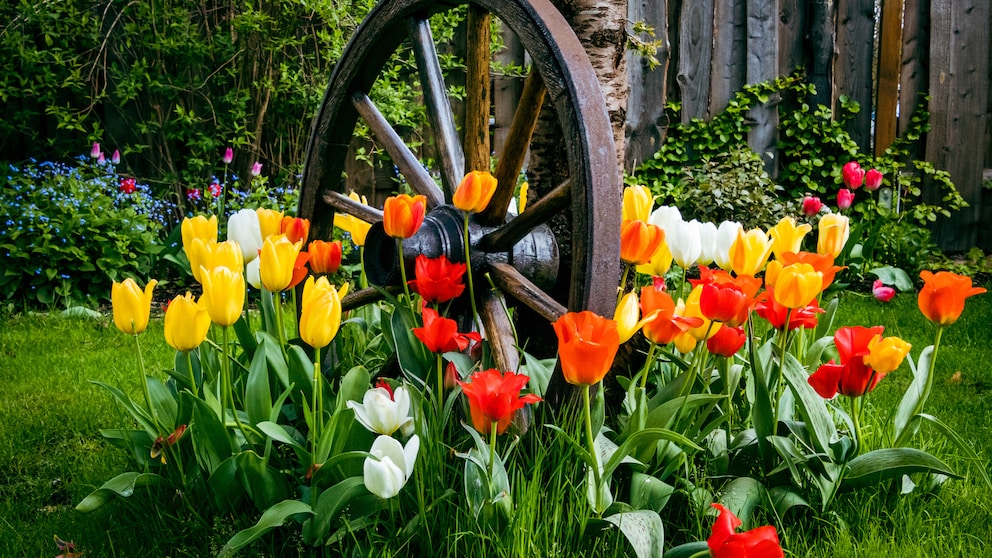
(269,222)
(660,262)
(354,226)
(132,306)
(186,323)
(691,309)
(636,203)
(223,294)
(833,232)
(522,203)
(797,285)
(198,227)
(685,343)
(627,314)
(885,355)
(787,236)
(211,254)
(320,317)
(276,262)
(750,251)
(474,192)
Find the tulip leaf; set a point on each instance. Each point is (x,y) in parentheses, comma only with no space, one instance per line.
(278,433)
(330,504)
(353,386)
(163,402)
(649,493)
(186,370)
(895,277)
(688,550)
(640,437)
(258,394)
(242,330)
(139,414)
(275,357)
(741,496)
(913,399)
(299,375)
(273,517)
(876,466)
(825,322)
(264,485)
(224,486)
(211,440)
(811,406)
(643,530)
(410,352)
(784,498)
(122,485)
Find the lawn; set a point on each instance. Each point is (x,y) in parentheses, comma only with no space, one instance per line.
(52,454)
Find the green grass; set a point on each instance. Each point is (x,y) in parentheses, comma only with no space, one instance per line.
(52,455)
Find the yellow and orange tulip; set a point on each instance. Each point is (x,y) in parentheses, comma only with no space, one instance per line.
(474,192)
(796,285)
(749,252)
(277,261)
(833,231)
(402,215)
(639,240)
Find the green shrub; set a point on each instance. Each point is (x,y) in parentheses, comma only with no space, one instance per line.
(70,231)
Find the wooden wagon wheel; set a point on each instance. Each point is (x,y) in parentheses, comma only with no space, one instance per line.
(519,252)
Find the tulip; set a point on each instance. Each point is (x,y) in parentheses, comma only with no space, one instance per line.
(95,150)
(116,157)
(186,323)
(440,335)
(325,257)
(214,189)
(636,203)
(522,196)
(402,215)
(389,466)
(797,285)
(750,251)
(193,194)
(474,192)
(722,302)
(885,355)
(213,254)
(438,279)
(708,243)
(132,306)
(665,216)
(941,300)
(296,229)
(667,323)
(852,376)
(158,446)
(587,344)
(724,542)
(223,294)
(845,198)
(684,242)
(659,263)
(726,234)
(627,317)
(244,228)
(354,226)
(269,222)
(638,241)
(834,229)
(276,262)
(253,274)
(228,156)
(256,169)
(881,291)
(493,398)
(824,263)
(787,236)
(853,175)
(384,411)
(726,342)
(198,227)
(776,314)
(320,315)
(811,206)
(693,309)
(873,180)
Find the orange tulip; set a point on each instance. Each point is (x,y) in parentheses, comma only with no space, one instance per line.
(667,324)
(942,297)
(295,229)
(639,240)
(402,215)
(587,344)
(325,257)
(474,192)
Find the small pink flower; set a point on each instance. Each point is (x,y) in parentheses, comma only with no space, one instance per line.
(127,185)
(214,189)
(873,180)
(192,194)
(256,169)
(812,205)
(95,151)
(101,159)
(116,157)
(882,292)
(845,198)
(853,175)
(228,156)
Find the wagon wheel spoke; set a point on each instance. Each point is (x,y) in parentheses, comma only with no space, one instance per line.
(369,295)
(511,160)
(499,330)
(513,283)
(450,156)
(541,211)
(408,164)
(477,90)
(344,204)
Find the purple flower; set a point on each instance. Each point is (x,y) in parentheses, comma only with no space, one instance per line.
(192,194)
(228,156)
(256,169)
(101,159)
(116,157)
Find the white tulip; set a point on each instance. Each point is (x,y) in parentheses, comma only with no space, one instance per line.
(726,234)
(707,241)
(389,466)
(382,414)
(253,274)
(243,227)
(665,216)
(684,242)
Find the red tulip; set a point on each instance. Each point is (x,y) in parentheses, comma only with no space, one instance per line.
(724,542)
(853,175)
(438,279)
(942,297)
(725,298)
(775,313)
(811,205)
(726,342)
(851,377)
(299,270)
(587,344)
(873,180)
(881,291)
(440,334)
(325,257)
(494,398)
(845,198)
(667,325)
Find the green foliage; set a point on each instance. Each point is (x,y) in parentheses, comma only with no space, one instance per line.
(69,232)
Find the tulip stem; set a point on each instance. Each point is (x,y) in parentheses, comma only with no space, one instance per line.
(144,384)
(623,282)
(440,384)
(492,448)
(592,448)
(929,385)
(192,376)
(363,279)
(856,419)
(468,266)
(280,325)
(780,384)
(317,403)
(228,383)
(406,287)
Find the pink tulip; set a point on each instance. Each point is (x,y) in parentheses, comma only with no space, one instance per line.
(116,157)
(812,205)
(882,292)
(256,169)
(95,150)
(101,159)
(228,156)
(845,198)
(853,175)
(873,180)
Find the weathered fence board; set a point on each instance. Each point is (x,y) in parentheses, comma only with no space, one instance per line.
(696,37)
(646,117)
(822,35)
(762,65)
(729,43)
(853,55)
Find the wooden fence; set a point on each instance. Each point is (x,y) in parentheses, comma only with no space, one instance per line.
(882,54)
